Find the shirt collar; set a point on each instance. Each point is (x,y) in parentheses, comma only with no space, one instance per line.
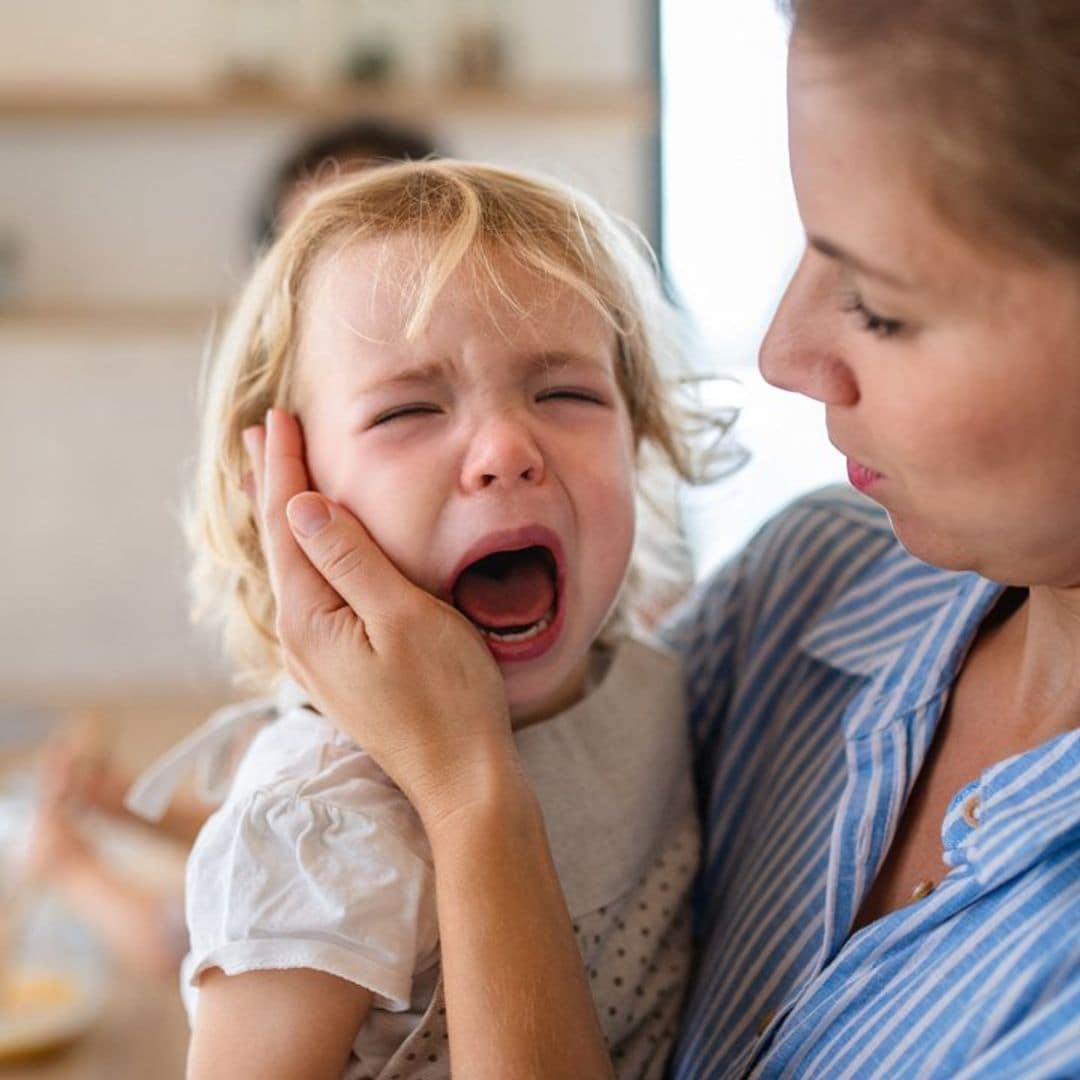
(905,627)
(878,614)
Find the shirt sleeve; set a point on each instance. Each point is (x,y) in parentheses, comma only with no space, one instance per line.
(704,631)
(281,880)
(721,626)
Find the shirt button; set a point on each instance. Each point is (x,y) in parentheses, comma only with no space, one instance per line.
(767,1018)
(921,891)
(971,810)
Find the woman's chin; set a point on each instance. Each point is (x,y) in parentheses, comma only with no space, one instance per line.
(937,546)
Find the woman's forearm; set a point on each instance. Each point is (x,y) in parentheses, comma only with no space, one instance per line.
(415,684)
(518,1002)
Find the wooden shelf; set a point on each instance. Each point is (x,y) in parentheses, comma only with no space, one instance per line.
(636,106)
(105,320)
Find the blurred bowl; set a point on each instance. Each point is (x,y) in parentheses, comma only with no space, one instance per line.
(55,979)
(57,984)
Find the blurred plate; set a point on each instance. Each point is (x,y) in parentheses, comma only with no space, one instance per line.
(42,1010)
(57,986)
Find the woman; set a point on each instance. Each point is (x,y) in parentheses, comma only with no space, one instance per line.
(886,720)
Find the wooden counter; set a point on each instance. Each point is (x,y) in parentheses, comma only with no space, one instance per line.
(142,1036)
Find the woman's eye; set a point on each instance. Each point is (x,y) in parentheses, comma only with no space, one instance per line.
(402,411)
(871,321)
(570,394)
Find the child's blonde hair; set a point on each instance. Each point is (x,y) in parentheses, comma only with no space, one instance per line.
(492,219)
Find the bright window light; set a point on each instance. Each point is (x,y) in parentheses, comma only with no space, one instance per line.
(732,237)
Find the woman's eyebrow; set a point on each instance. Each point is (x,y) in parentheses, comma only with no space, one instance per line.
(833,251)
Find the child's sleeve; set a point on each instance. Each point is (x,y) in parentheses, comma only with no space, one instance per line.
(280,880)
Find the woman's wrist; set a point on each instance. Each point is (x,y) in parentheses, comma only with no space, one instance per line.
(502,913)
(493,787)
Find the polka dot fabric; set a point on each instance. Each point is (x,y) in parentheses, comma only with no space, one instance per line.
(425,1054)
(637,954)
(612,775)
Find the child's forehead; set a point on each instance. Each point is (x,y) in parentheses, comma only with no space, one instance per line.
(358,300)
(386,278)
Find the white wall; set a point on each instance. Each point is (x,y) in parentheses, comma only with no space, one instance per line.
(96,426)
(78,192)
(94,442)
(129,213)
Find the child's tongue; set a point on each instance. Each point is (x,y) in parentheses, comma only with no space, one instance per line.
(512,588)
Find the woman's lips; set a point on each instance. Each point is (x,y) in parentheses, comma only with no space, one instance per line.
(862,477)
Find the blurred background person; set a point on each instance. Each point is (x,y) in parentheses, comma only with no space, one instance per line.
(327,156)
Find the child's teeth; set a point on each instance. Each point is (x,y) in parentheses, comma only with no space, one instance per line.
(522,635)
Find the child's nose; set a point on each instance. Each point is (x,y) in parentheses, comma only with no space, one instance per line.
(502,451)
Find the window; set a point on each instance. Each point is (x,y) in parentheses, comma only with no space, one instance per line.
(731,238)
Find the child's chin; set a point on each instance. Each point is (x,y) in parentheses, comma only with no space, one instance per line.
(533,697)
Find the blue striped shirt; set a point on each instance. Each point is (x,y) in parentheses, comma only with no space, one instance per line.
(819,664)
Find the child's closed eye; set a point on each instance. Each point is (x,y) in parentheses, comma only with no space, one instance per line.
(571,393)
(400,412)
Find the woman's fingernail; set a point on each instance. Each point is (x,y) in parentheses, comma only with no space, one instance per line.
(308,513)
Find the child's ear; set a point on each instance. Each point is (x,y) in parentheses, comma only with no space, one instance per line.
(253,439)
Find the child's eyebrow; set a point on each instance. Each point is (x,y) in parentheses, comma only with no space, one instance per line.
(554,360)
(428,371)
(547,362)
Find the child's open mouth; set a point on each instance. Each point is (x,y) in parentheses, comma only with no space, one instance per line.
(512,597)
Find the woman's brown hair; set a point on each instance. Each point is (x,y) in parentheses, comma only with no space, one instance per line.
(992,88)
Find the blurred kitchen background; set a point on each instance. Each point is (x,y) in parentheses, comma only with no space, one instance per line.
(136,139)
(135,142)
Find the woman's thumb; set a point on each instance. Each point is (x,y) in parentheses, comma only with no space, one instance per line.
(308,515)
(339,548)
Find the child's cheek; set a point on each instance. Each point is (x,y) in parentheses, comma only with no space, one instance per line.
(400,512)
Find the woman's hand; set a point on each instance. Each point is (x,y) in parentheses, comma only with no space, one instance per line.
(404,674)
(413,682)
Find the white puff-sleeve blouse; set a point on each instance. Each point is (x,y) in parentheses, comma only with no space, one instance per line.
(315,860)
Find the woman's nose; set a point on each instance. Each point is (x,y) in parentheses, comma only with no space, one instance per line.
(502,451)
(802,349)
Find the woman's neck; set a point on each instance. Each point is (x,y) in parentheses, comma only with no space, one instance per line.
(1036,652)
